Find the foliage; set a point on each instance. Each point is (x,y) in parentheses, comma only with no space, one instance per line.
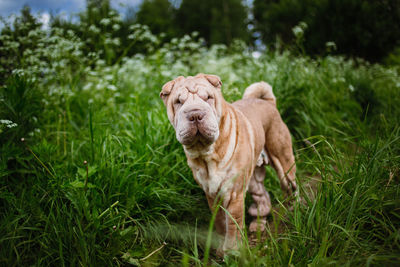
(100,17)
(367,29)
(105,34)
(216,21)
(22,106)
(15,41)
(135,190)
(354,28)
(393,58)
(159,15)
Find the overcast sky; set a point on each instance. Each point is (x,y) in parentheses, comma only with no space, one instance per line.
(8,7)
(47,7)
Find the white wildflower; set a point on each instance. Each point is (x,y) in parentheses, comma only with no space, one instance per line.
(87,86)
(112,87)
(94,29)
(134,27)
(331,46)
(105,21)
(116,27)
(99,86)
(100,62)
(116,41)
(8,123)
(297,31)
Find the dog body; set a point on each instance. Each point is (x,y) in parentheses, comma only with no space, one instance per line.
(227,146)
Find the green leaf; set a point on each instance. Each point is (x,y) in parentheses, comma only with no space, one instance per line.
(80,184)
(91,170)
(128,258)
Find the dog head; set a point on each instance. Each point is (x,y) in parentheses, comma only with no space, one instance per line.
(194,108)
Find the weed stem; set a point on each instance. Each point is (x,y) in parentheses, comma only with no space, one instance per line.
(87,175)
(155,251)
(30,150)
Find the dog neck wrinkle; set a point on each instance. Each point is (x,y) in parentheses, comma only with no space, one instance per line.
(228,122)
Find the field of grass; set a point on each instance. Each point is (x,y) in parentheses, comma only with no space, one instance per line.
(135,201)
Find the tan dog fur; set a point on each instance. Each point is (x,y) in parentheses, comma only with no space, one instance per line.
(227,146)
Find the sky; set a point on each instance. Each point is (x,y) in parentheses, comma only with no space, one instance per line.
(68,7)
(45,7)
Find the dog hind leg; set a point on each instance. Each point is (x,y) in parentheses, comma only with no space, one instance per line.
(262,202)
(286,171)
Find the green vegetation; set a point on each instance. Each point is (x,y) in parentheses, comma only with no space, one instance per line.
(135,192)
(367,29)
(218,22)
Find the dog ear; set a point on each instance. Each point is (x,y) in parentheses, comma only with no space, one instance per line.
(166,89)
(214,80)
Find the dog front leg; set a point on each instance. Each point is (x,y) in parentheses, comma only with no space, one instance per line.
(220,217)
(219,223)
(234,221)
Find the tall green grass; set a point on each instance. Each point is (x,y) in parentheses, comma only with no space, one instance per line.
(138,192)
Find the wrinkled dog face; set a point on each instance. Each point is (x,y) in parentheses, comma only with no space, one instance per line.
(194,108)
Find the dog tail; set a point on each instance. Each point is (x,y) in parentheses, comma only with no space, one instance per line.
(260,90)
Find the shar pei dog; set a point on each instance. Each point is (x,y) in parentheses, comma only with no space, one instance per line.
(228,145)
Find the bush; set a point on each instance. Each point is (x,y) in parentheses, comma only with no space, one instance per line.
(17,39)
(21,103)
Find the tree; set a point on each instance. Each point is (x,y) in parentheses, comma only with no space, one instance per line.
(219,21)
(274,18)
(159,16)
(368,29)
(15,40)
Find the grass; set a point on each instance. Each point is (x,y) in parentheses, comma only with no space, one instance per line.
(136,191)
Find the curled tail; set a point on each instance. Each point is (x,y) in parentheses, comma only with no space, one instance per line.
(260,90)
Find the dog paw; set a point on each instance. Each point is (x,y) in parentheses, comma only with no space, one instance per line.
(220,252)
(257,225)
(262,209)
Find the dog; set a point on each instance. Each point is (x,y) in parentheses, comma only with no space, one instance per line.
(227,147)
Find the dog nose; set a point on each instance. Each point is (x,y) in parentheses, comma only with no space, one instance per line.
(196,115)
